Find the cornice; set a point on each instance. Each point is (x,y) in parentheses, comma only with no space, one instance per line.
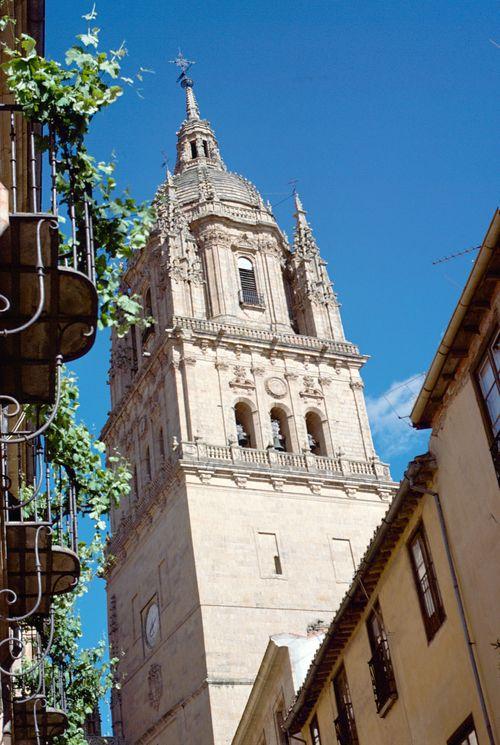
(203,330)
(246,468)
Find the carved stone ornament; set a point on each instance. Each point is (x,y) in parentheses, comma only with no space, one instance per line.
(311,389)
(241,379)
(155,686)
(276,387)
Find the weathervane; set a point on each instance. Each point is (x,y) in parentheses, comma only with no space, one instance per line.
(184,65)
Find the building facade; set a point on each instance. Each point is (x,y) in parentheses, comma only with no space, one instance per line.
(412,654)
(282,671)
(242,412)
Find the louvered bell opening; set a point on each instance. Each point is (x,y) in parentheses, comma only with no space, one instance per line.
(249,294)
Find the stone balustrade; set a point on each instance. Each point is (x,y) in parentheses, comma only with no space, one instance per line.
(272,459)
(296,340)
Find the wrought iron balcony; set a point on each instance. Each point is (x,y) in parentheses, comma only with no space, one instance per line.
(37,690)
(345,726)
(39,506)
(48,299)
(383,681)
(251,298)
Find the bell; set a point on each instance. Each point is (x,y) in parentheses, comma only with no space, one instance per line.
(313,445)
(278,439)
(243,439)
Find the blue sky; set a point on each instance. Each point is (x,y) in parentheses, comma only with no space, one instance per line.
(385,112)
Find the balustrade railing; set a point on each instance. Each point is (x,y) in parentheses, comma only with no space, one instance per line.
(289,461)
(297,340)
(251,297)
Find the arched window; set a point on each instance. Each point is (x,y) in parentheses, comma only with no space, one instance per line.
(194,150)
(315,434)
(148,464)
(244,425)
(248,283)
(279,429)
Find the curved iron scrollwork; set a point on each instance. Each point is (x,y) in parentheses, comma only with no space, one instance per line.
(40,274)
(15,436)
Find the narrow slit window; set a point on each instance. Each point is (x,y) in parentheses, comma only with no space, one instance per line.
(269,555)
(194,151)
(205,149)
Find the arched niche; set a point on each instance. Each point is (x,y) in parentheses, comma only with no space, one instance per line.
(280,430)
(244,418)
(316,440)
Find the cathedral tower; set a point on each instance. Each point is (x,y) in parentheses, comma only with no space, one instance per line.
(256,484)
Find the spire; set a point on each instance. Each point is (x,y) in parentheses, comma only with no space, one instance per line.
(300,213)
(304,242)
(187,83)
(196,143)
(192,110)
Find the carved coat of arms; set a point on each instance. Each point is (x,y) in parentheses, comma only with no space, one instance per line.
(155,686)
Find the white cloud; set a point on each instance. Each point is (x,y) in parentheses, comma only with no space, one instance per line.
(389,417)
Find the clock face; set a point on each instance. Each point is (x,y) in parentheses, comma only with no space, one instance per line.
(152,625)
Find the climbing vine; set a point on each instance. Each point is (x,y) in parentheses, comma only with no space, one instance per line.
(64,97)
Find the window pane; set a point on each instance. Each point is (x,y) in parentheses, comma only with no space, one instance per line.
(486,377)
(493,404)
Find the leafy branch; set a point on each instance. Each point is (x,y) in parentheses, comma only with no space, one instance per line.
(64,98)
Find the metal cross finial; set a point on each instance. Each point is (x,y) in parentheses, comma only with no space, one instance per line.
(183,63)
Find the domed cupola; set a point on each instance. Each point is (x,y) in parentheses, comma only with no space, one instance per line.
(200,174)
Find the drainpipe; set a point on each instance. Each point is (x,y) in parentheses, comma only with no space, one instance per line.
(461,608)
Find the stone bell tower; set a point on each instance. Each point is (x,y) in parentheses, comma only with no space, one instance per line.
(256,485)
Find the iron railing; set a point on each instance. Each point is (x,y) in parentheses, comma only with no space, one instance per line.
(251,297)
(44,152)
(345,726)
(40,531)
(382,674)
